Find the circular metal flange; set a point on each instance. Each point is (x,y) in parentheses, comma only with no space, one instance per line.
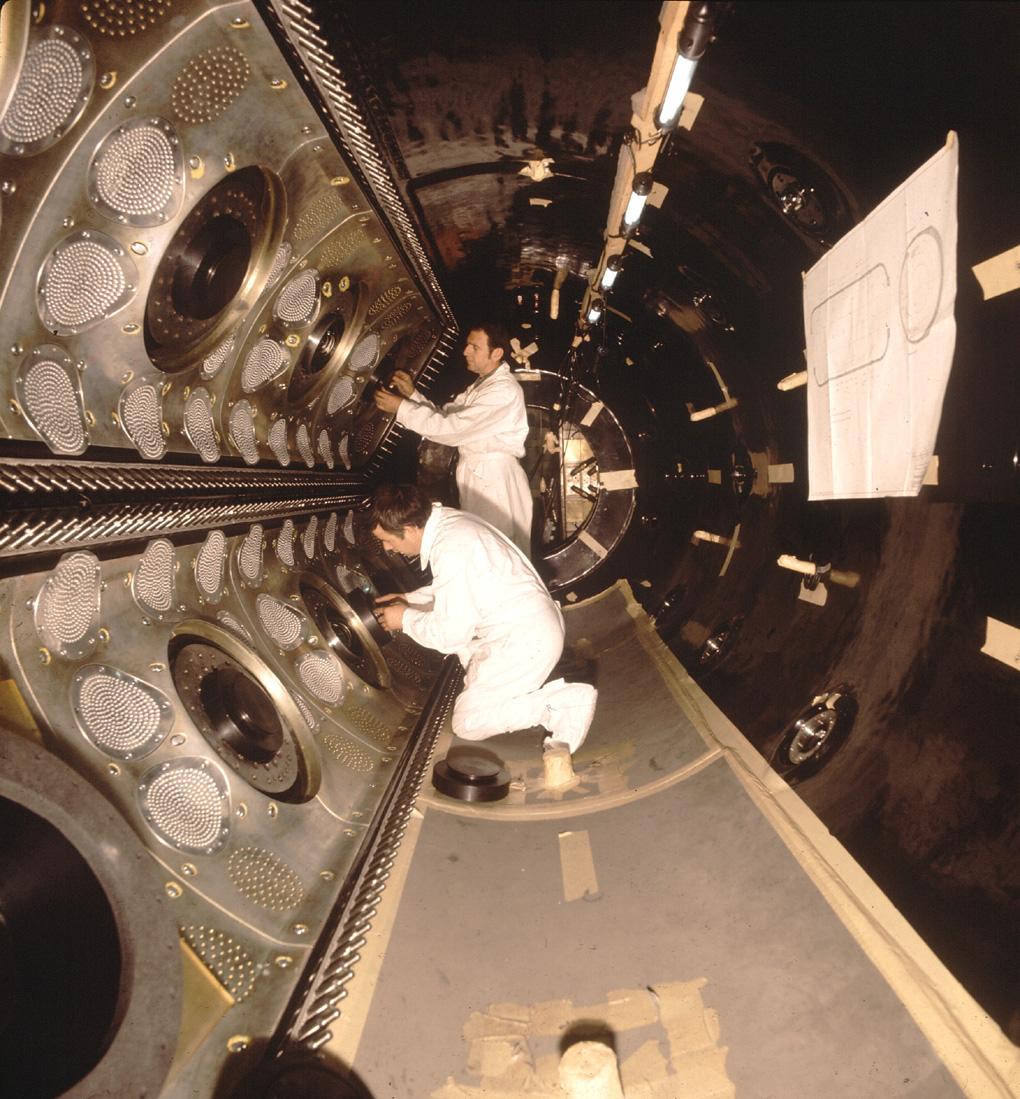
(54,86)
(244,711)
(323,350)
(214,265)
(102,948)
(348,626)
(817,732)
(137,174)
(84,280)
(121,715)
(50,396)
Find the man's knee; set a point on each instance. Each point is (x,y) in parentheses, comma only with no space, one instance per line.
(471,720)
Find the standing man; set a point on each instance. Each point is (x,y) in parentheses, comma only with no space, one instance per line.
(488,605)
(488,424)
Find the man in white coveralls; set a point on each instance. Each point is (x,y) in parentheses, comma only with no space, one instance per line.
(488,423)
(488,605)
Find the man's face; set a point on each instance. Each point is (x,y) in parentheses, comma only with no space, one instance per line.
(480,358)
(407,542)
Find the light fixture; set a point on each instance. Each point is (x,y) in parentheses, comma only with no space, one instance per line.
(609,272)
(642,188)
(595,310)
(691,43)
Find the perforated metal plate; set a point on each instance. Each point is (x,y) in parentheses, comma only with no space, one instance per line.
(209,83)
(50,395)
(242,431)
(212,363)
(347,752)
(365,354)
(121,715)
(249,554)
(349,527)
(278,442)
(140,411)
(397,314)
(67,606)
(285,544)
(306,712)
(284,625)
(319,214)
(265,879)
(153,584)
(384,300)
(137,174)
(85,279)
(344,450)
(225,958)
(198,425)
(265,361)
(322,677)
(304,445)
(186,803)
(298,302)
(308,541)
(279,264)
(329,532)
(53,88)
(343,246)
(236,625)
(209,566)
(124,18)
(341,395)
(325,449)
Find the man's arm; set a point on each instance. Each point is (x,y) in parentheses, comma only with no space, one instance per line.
(490,411)
(450,624)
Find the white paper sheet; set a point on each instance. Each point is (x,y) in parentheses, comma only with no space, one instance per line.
(878,318)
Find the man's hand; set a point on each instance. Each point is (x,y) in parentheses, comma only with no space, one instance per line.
(389,612)
(387,402)
(402,382)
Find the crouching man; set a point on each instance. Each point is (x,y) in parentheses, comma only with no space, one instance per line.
(488,605)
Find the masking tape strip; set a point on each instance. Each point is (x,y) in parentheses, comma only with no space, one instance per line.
(618,478)
(819,596)
(781,474)
(657,195)
(638,246)
(1000,274)
(690,110)
(931,474)
(528,375)
(792,381)
(577,866)
(734,544)
(592,413)
(593,544)
(540,201)
(1002,641)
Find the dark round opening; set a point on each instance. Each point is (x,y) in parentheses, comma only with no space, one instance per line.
(211,268)
(319,349)
(60,960)
(241,713)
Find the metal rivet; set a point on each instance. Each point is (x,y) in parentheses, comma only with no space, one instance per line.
(327,875)
(300,929)
(157,666)
(8,187)
(172,890)
(130,328)
(241,811)
(272,809)
(238,1043)
(44,656)
(350,832)
(177,740)
(139,248)
(189,869)
(107,80)
(284,961)
(113,769)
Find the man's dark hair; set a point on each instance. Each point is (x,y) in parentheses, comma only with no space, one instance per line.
(496,334)
(397,506)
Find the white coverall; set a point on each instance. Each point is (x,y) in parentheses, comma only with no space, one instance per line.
(488,424)
(489,606)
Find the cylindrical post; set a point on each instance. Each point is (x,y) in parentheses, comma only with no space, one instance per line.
(588,1070)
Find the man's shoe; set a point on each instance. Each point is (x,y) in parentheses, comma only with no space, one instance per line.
(570,711)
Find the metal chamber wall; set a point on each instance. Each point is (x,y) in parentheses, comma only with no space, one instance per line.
(203,273)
